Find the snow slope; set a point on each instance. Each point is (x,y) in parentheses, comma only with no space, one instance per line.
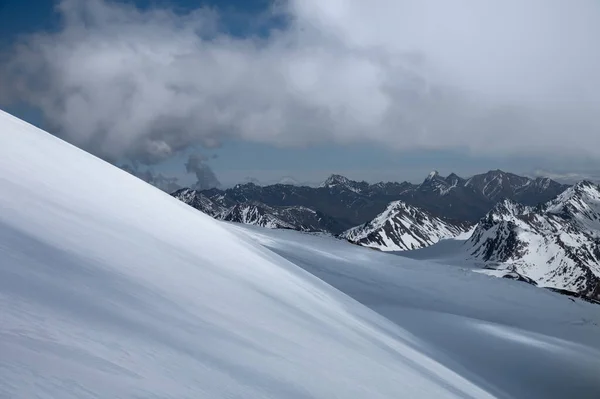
(580,203)
(199,201)
(110,288)
(513,339)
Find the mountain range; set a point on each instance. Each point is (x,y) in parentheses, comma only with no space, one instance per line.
(538,230)
(351,203)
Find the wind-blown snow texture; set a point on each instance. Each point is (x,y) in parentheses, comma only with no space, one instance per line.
(403,227)
(110,288)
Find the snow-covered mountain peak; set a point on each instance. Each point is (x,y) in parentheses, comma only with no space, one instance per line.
(582,191)
(436,183)
(335,180)
(393,209)
(507,209)
(432,175)
(403,227)
(340,182)
(580,204)
(556,244)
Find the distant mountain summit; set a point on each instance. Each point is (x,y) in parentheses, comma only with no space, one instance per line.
(497,185)
(556,244)
(435,183)
(470,199)
(339,182)
(403,227)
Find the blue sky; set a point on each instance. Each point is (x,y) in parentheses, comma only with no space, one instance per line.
(237,159)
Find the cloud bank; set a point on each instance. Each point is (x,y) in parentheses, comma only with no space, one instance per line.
(506,77)
(205,177)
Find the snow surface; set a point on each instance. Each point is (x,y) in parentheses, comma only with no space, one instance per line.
(111,288)
(511,338)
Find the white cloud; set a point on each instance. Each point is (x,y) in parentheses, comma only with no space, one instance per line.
(493,76)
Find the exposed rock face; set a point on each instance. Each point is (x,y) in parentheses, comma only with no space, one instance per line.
(403,227)
(557,244)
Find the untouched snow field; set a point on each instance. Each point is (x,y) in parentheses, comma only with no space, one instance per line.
(110,288)
(513,339)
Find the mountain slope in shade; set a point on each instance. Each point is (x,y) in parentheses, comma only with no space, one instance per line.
(255,213)
(496,185)
(352,203)
(556,244)
(453,197)
(435,183)
(340,204)
(403,227)
(291,217)
(197,200)
(117,290)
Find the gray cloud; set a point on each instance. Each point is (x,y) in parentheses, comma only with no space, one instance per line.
(254,180)
(167,184)
(205,176)
(492,77)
